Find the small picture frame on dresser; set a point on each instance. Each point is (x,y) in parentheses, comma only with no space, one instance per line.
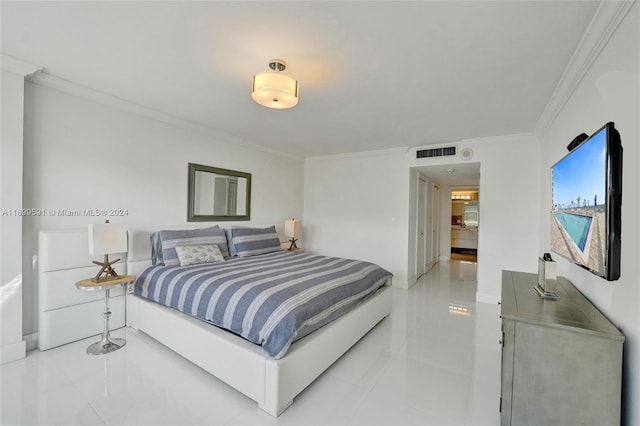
(547,278)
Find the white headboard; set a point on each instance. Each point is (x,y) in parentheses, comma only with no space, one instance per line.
(139,254)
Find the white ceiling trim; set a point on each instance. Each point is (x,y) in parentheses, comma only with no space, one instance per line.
(360,154)
(461,144)
(604,24)
(16,66)
(502,138)
(51,81)
(412,149)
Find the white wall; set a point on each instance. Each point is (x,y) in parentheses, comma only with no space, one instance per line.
(610,91)
(11,344)
(355,206)
(83,154)
(509,178)
(363,206)
(509,196)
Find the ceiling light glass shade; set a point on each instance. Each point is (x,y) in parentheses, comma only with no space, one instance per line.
(274,90)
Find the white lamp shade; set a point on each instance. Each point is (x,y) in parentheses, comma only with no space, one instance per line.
(274,90)
(292,228)
(107,238)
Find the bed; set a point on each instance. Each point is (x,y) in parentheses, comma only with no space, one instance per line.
(270,371)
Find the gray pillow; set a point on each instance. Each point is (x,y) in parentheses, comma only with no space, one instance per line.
(190,237)
(232,248)
(156,249)
(253,241)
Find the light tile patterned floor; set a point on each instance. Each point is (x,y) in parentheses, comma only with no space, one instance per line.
(425,365)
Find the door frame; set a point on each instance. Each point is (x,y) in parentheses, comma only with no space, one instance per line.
(421,225)
(435,241)
(427,237)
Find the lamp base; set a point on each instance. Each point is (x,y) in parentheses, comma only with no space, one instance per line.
(107,270)
(293,245)
(106,345)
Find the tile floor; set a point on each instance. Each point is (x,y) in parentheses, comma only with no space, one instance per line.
(425,365)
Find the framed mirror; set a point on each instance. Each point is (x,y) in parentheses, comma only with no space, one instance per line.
(217,194)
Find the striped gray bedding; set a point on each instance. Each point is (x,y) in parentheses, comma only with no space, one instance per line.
(271,299)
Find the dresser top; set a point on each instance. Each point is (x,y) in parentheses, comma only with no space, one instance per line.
(521,302)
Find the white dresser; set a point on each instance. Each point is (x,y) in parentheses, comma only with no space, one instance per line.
(66,314)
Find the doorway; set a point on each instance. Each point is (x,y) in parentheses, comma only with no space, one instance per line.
(465,221)
(430,222)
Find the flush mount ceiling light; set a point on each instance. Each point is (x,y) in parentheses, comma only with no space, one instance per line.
(275,90)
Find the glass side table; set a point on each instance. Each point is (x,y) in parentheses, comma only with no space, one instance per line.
(107,343)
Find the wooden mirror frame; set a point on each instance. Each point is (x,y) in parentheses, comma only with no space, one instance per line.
(191,195)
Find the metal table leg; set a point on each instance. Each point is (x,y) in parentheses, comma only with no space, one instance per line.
(107,343)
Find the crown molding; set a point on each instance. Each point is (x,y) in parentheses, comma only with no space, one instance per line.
(603,25)
(501,138)
(16,66)
(57,83)
(359,154)
(461,143)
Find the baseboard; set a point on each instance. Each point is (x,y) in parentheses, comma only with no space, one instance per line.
(411,282)
(399,284)
(12,352)
(487,298)
(31,340)
(445,258)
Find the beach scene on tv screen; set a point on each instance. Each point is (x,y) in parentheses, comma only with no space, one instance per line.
(578,215)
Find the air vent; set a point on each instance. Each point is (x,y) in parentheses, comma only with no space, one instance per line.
(436,152)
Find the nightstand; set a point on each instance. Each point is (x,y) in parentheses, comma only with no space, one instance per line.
(107,343)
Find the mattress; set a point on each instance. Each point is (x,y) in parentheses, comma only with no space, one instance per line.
(272,299)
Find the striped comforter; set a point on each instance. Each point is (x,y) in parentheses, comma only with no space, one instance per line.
(271,299)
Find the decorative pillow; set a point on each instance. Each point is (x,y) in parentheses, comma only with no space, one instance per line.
(252,241)
(191,255)
(190,237)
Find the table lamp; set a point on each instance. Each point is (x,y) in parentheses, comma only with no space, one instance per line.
(107,238)
(292,229)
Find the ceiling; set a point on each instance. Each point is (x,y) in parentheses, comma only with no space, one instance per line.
(372,75)
(457,176)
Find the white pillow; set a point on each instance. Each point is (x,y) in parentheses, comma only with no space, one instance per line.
(191,255)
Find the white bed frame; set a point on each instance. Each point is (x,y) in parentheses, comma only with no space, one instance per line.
(243,365)
(273,384)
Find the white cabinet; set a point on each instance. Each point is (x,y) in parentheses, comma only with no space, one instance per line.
(464,238)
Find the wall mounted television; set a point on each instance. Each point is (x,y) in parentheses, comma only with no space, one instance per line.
(586,192)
